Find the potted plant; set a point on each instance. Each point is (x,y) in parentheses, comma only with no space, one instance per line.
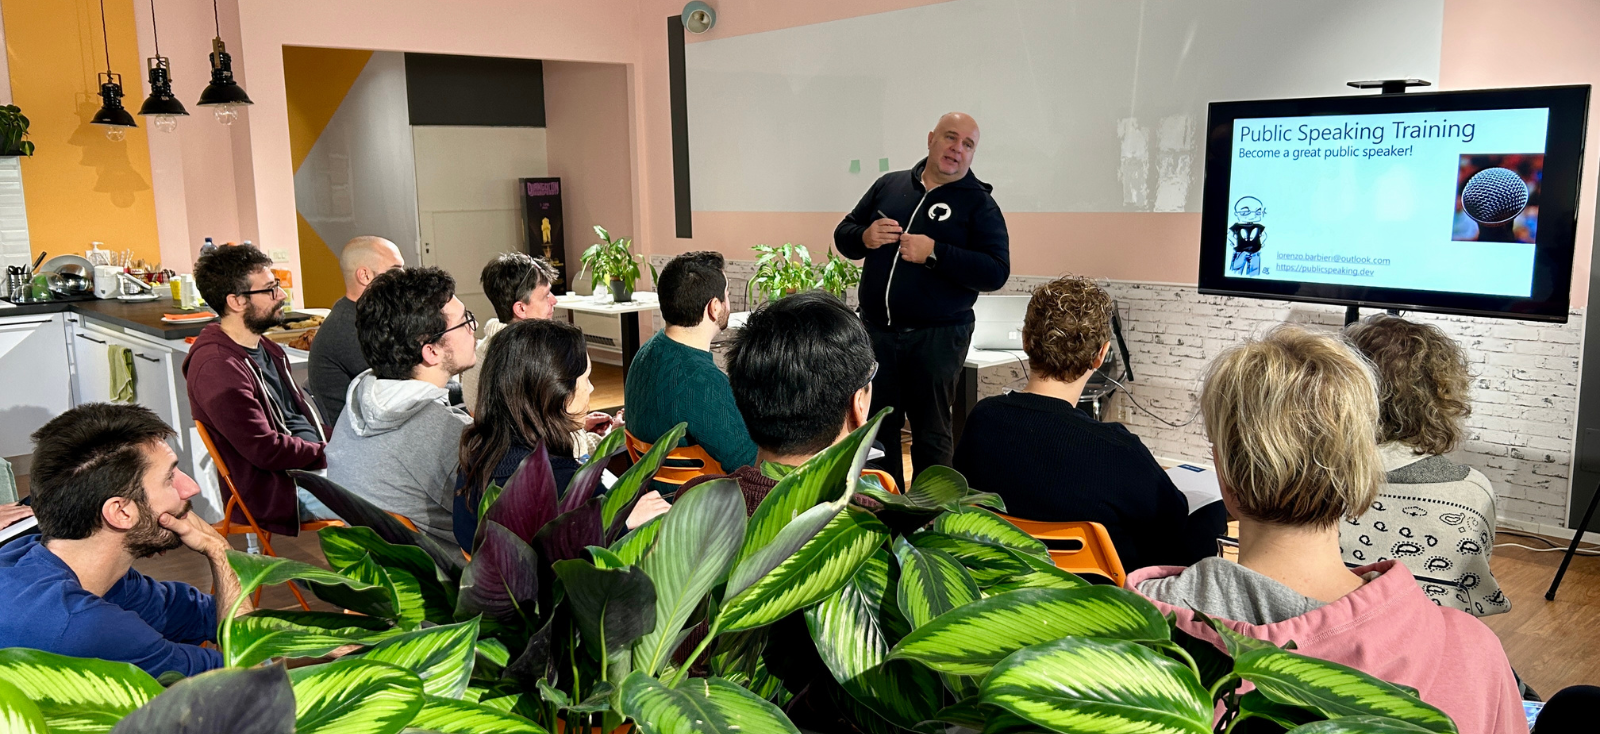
(13,131)
(838,275)
(612,261)
(925,612)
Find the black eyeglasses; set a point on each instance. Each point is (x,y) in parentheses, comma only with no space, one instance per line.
(274,287)
(470,322)
(871,375)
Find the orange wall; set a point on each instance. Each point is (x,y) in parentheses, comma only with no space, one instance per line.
(79,186)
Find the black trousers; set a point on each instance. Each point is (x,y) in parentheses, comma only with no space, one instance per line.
(917,374)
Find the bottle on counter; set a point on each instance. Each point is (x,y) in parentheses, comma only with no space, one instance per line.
(209,246)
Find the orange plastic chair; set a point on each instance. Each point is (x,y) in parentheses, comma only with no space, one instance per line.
(1077,547)
(692,461)
(228,527)
(883,479)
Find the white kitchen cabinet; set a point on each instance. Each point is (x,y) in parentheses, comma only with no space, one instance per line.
(35,378)
(157,382)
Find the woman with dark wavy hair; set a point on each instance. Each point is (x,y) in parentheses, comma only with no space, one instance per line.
(533,386)
(1433,515)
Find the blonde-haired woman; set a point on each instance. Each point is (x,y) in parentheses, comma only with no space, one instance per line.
(1293,421)
(1432,514)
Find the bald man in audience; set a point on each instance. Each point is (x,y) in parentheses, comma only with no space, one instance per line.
(336,352)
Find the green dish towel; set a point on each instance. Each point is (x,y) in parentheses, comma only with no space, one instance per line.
(124,379)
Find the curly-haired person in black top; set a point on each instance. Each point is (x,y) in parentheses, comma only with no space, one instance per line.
(1050,461)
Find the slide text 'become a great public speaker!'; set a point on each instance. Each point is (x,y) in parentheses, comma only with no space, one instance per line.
(1437,201)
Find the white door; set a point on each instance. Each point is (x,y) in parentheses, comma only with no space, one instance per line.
(468,206)
(35,379)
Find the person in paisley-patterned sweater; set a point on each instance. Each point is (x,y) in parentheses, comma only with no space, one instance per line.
(1433,515)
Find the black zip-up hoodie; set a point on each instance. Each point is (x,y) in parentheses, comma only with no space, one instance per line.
(972,251)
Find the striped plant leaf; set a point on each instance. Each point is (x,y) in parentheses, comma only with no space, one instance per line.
(449,716)
(699,706)
(987,499)
(223,701)
(931,582)
(441,656)
(344,546)
(1256,703)
(604,558)
(692,553)
(77,694)
(354,696)
(1236,643)
(1359,725)
(255,571)
(978,525)
(622,494)
(18,715)
(631,548)
(823,478)
(1333,690)
(257,638)
(971,639)
(382,597)
(1081,685)
(938,486)
(854,643)
(794,535)
(358,511)
(809,575)
(986,564)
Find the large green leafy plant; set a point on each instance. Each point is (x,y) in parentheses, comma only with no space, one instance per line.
(788,269)
(835,605)
(14,132)
(612,260)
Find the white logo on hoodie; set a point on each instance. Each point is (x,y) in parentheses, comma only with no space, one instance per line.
(939,212)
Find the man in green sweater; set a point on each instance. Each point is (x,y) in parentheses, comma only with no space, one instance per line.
(674,379)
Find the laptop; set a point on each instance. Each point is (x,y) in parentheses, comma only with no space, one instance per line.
(999,321)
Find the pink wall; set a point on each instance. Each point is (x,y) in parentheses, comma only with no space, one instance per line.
(1536,43)
(589,145)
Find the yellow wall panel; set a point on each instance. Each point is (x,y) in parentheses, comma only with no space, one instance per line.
(316,81)
(79,186)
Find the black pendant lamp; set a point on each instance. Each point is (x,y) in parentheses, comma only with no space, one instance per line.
(112,115)
(223,94)
(162,107)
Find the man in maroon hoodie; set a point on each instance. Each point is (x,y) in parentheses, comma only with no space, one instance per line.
(240,389)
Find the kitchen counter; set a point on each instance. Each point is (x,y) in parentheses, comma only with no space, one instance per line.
(143,317)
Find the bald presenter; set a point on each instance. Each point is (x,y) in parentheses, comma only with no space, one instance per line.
(336,352)
(933,239)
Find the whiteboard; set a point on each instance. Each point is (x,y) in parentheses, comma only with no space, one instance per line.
(1084,105)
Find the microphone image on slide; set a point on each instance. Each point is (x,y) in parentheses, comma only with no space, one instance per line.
(1494,196)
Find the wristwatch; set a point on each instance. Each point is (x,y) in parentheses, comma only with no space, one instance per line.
(933,259)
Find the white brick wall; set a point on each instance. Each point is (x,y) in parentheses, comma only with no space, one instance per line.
(1525,379)
(14,247)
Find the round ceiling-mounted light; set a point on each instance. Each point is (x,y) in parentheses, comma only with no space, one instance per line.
(699,17)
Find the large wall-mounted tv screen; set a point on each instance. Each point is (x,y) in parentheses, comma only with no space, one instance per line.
(1460,202)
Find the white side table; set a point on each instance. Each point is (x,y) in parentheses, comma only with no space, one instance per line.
(626,313)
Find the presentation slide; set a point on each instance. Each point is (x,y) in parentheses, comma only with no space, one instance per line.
(1423,201)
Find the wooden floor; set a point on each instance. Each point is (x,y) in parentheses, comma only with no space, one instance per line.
(1551,644)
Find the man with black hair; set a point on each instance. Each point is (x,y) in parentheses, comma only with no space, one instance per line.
(519,288)
(241,390)
(336,352)
(399,438)
(107,491)
(801,372)
(674,378)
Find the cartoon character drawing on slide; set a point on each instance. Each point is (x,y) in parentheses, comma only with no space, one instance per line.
(1247,235)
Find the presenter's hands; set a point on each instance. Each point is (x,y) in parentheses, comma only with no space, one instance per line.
(885,231)
(915,248)
(196,534)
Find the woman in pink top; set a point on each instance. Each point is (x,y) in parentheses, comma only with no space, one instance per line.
(1293,424)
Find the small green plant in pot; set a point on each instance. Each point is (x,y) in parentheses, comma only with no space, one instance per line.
(613,261)
(13,131)
(780,271)
(838,275)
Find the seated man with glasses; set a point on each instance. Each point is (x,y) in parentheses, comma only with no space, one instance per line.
(518,286)
(398,442)
(801,370)
(240,389)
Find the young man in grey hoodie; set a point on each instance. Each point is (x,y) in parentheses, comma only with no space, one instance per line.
(398,440)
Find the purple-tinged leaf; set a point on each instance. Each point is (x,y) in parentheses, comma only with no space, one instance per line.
(533,665)
(502,581)
(569,536)
(529,498)
(583,483)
